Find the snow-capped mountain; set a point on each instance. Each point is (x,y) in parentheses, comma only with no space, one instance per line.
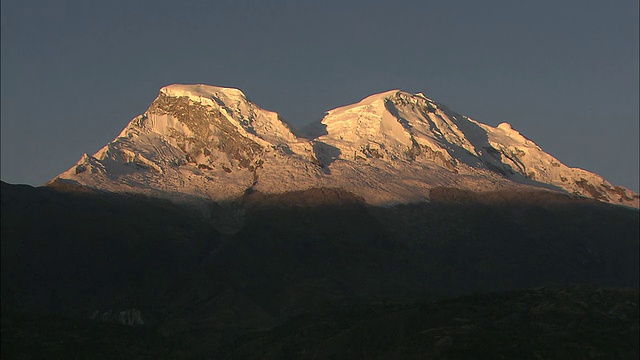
(200,141)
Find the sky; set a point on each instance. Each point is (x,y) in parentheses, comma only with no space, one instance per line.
(563,73)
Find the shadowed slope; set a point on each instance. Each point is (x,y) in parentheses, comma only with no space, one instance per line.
(74,253)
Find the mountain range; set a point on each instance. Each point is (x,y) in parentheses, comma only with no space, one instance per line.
(392,229)
(207,142)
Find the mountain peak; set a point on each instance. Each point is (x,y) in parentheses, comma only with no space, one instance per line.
(202,141)
(202,90)
(505,126)
(386,96)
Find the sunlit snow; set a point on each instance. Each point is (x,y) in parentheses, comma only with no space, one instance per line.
(201,141)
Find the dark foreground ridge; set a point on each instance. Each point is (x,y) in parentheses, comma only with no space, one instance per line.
(318,273)
(569,322)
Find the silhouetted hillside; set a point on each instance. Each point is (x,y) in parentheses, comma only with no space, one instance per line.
(293,262)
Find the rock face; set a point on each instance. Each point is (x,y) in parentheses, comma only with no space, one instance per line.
(199,141)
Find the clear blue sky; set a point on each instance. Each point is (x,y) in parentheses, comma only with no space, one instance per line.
(563,73)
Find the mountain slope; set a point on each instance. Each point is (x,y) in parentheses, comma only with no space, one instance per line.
(305,267)
(199,141)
